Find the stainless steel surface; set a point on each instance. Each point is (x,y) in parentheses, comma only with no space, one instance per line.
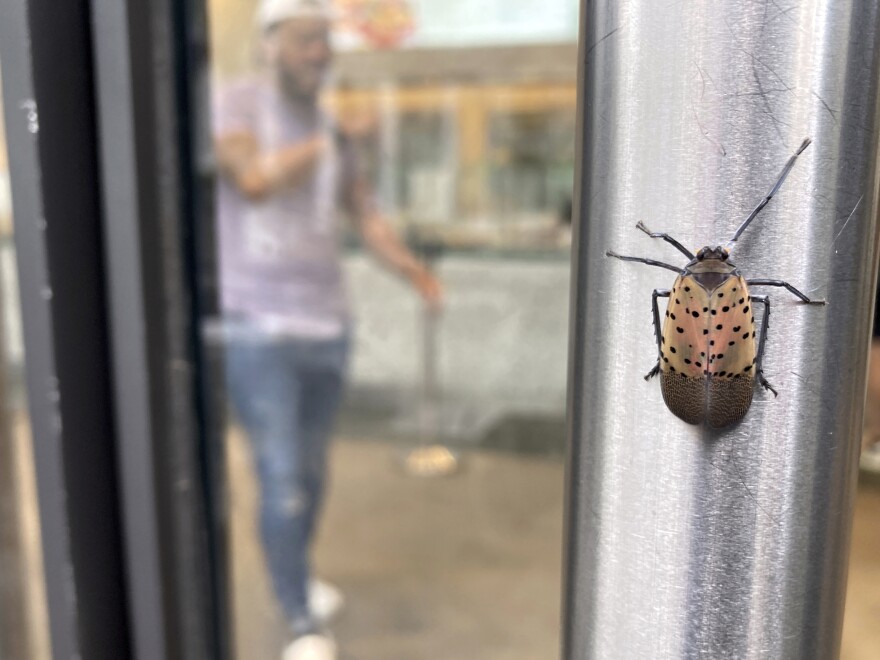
(683,542)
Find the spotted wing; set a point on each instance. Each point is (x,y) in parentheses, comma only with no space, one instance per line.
(683,356)
(732,353)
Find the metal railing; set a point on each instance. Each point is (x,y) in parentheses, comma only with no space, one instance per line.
(683,541)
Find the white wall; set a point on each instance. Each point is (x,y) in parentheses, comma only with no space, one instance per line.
(503,335)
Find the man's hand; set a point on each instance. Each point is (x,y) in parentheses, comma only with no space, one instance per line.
(357,125)
(258,174)
(391,251)
(428,286)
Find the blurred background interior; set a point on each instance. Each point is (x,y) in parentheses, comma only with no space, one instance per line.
(447,467)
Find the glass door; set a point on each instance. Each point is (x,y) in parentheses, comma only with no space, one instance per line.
(392,226)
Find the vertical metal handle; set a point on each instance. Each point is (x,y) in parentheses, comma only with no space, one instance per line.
(683,542)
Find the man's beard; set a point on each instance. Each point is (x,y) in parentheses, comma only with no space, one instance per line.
(294,90)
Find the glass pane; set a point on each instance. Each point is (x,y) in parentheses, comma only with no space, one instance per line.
(394,462)
(435,151)
(24,633)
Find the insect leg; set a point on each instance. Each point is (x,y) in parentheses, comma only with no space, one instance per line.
(787,286)
(642,260)
(666,237)
(658,293)
(773,191)
(765,324)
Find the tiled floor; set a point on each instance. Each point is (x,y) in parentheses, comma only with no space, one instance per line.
(465,567)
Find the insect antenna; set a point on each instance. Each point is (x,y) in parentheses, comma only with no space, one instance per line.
(776,187)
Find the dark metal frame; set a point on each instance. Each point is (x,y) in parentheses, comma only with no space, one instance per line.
(50,119)
(146,95)
(101,98)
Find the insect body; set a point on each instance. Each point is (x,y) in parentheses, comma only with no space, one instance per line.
(710,351)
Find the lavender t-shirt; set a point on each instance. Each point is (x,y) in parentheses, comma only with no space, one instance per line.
(279,256)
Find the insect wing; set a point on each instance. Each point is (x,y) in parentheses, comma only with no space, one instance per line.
(684,350)
(732,353)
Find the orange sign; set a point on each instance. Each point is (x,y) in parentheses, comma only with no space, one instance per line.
(382,23)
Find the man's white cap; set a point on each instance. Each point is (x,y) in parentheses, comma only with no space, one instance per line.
(272,12)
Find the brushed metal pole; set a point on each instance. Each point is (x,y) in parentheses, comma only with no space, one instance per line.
(683,542)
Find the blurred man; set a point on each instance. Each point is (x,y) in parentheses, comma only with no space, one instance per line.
(286,173)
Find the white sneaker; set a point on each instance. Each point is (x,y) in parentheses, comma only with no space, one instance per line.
(310,647)
(325,601)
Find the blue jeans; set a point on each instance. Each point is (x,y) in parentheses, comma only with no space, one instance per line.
(286,392)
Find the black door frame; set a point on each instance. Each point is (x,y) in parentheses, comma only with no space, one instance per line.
(108,177)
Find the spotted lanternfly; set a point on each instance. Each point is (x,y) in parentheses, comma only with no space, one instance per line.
(708,359)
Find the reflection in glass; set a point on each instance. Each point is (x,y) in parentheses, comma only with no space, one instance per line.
(393,240)
(458,119)
(24,632)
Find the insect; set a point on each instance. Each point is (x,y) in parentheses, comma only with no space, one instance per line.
(710,353)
